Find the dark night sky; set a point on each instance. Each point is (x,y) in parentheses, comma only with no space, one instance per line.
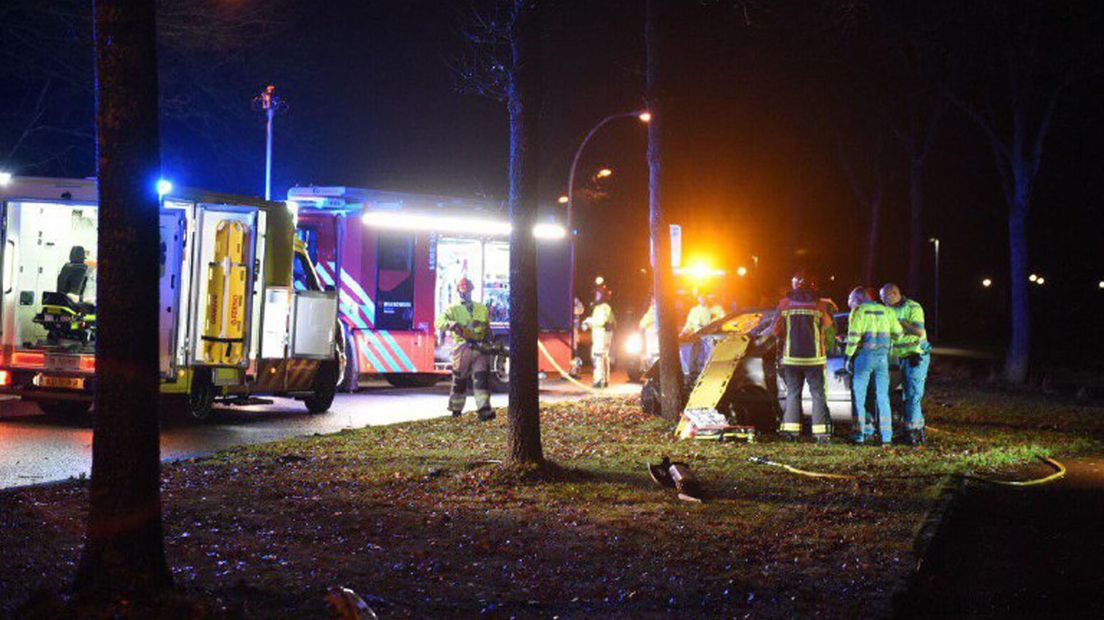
(751,160)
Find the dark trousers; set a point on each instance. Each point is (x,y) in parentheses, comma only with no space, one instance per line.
(796,377)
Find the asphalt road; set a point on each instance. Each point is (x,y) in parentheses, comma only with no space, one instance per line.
(35,449)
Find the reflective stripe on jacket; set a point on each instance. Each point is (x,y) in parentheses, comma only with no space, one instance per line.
(697,318)
(910,314)
(803,322)
(472,318)
(872,326)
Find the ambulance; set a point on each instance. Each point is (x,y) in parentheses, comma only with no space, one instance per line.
(242,311)
(395,258)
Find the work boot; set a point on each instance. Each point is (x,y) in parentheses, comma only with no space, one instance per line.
(596,385)
(858,440)
(788,437)
(823,440)
(917,438)
(486,415)
(455,412)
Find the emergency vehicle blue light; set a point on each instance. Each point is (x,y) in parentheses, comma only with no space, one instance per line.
(164,186)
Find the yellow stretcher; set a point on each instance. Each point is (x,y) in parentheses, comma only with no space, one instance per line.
(702,417)
(224,323)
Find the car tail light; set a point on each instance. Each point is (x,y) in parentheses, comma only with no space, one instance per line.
(88,363)
(23,358)
(5,378)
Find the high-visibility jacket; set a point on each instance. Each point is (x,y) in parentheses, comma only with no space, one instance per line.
(648,321)
(803,322)
(472,318)
(910,314)
(601,317)
(697,318)
(872,326)
(717,311)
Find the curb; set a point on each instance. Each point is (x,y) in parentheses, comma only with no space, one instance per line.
(931,528)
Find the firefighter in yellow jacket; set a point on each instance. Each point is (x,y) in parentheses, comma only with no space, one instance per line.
(469,324)
(600,323)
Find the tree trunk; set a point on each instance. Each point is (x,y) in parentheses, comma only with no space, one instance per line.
(524,103)
(1019,347)
(873,239)
(670,369)
(124,553)
(916,226)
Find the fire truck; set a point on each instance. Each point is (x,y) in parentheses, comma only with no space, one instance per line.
(242,311)
(395,258)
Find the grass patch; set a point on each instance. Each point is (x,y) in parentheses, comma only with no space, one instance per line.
(418,519)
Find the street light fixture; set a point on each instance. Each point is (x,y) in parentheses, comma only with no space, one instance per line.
(935,305)
(987,282)
(1100,284)
(563,199)
(643,116)
(604,173)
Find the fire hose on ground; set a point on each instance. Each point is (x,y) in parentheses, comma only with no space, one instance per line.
(563,373)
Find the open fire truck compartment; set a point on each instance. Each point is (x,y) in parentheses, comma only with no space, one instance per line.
(395,258)
(242,312)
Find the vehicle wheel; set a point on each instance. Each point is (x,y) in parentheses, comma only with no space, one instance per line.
(74,410)
(325,388)
(500,374)
(201,399)
(635,373)
(413,380)
(350,375)
(649,397)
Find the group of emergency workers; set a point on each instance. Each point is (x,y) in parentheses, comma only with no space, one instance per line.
(878,336)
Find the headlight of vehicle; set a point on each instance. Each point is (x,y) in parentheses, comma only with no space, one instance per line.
(634,344)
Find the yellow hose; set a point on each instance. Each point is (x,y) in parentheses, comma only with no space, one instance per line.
(1060,473)
(563,373)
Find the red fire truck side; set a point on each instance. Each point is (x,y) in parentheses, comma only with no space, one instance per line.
(394,259)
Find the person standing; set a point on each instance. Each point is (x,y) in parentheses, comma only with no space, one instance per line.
(803,323)
(871,331)
(913,354)
(600,323)
(693,353)
(469,323)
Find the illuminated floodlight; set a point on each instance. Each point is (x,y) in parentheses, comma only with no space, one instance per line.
(741,271)
(549,231)
(645,116)
(700,271)
(563,199)
(599,281)
(390,220)
(5,177)
(987,282)
(1033,278)
(604,173)
(164,186)
(634,344)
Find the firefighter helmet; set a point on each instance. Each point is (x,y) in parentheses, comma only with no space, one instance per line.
(803,280)
(601,292)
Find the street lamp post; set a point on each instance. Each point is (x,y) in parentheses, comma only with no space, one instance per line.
(935,303)
(644,116)
(269,103)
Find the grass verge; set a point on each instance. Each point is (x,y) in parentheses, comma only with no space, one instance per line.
(416,519)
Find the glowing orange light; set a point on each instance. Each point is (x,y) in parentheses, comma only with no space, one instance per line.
(24,358)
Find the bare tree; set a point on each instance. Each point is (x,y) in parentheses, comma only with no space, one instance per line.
(502,60)
(124,552)
(657,12)
(1030,55)
(864,167)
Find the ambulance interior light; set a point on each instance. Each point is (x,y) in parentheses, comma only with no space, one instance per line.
(454,224)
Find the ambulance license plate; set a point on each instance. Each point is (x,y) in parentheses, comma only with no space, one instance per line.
(65,383)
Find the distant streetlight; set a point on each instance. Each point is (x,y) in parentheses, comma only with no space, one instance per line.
(270,104)
(563,199)
(1041,281)
(599,281)
(987,282)
(741,271)
(935,305)
(1100,284)
(645,116)
(604,173)
(1033,278)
